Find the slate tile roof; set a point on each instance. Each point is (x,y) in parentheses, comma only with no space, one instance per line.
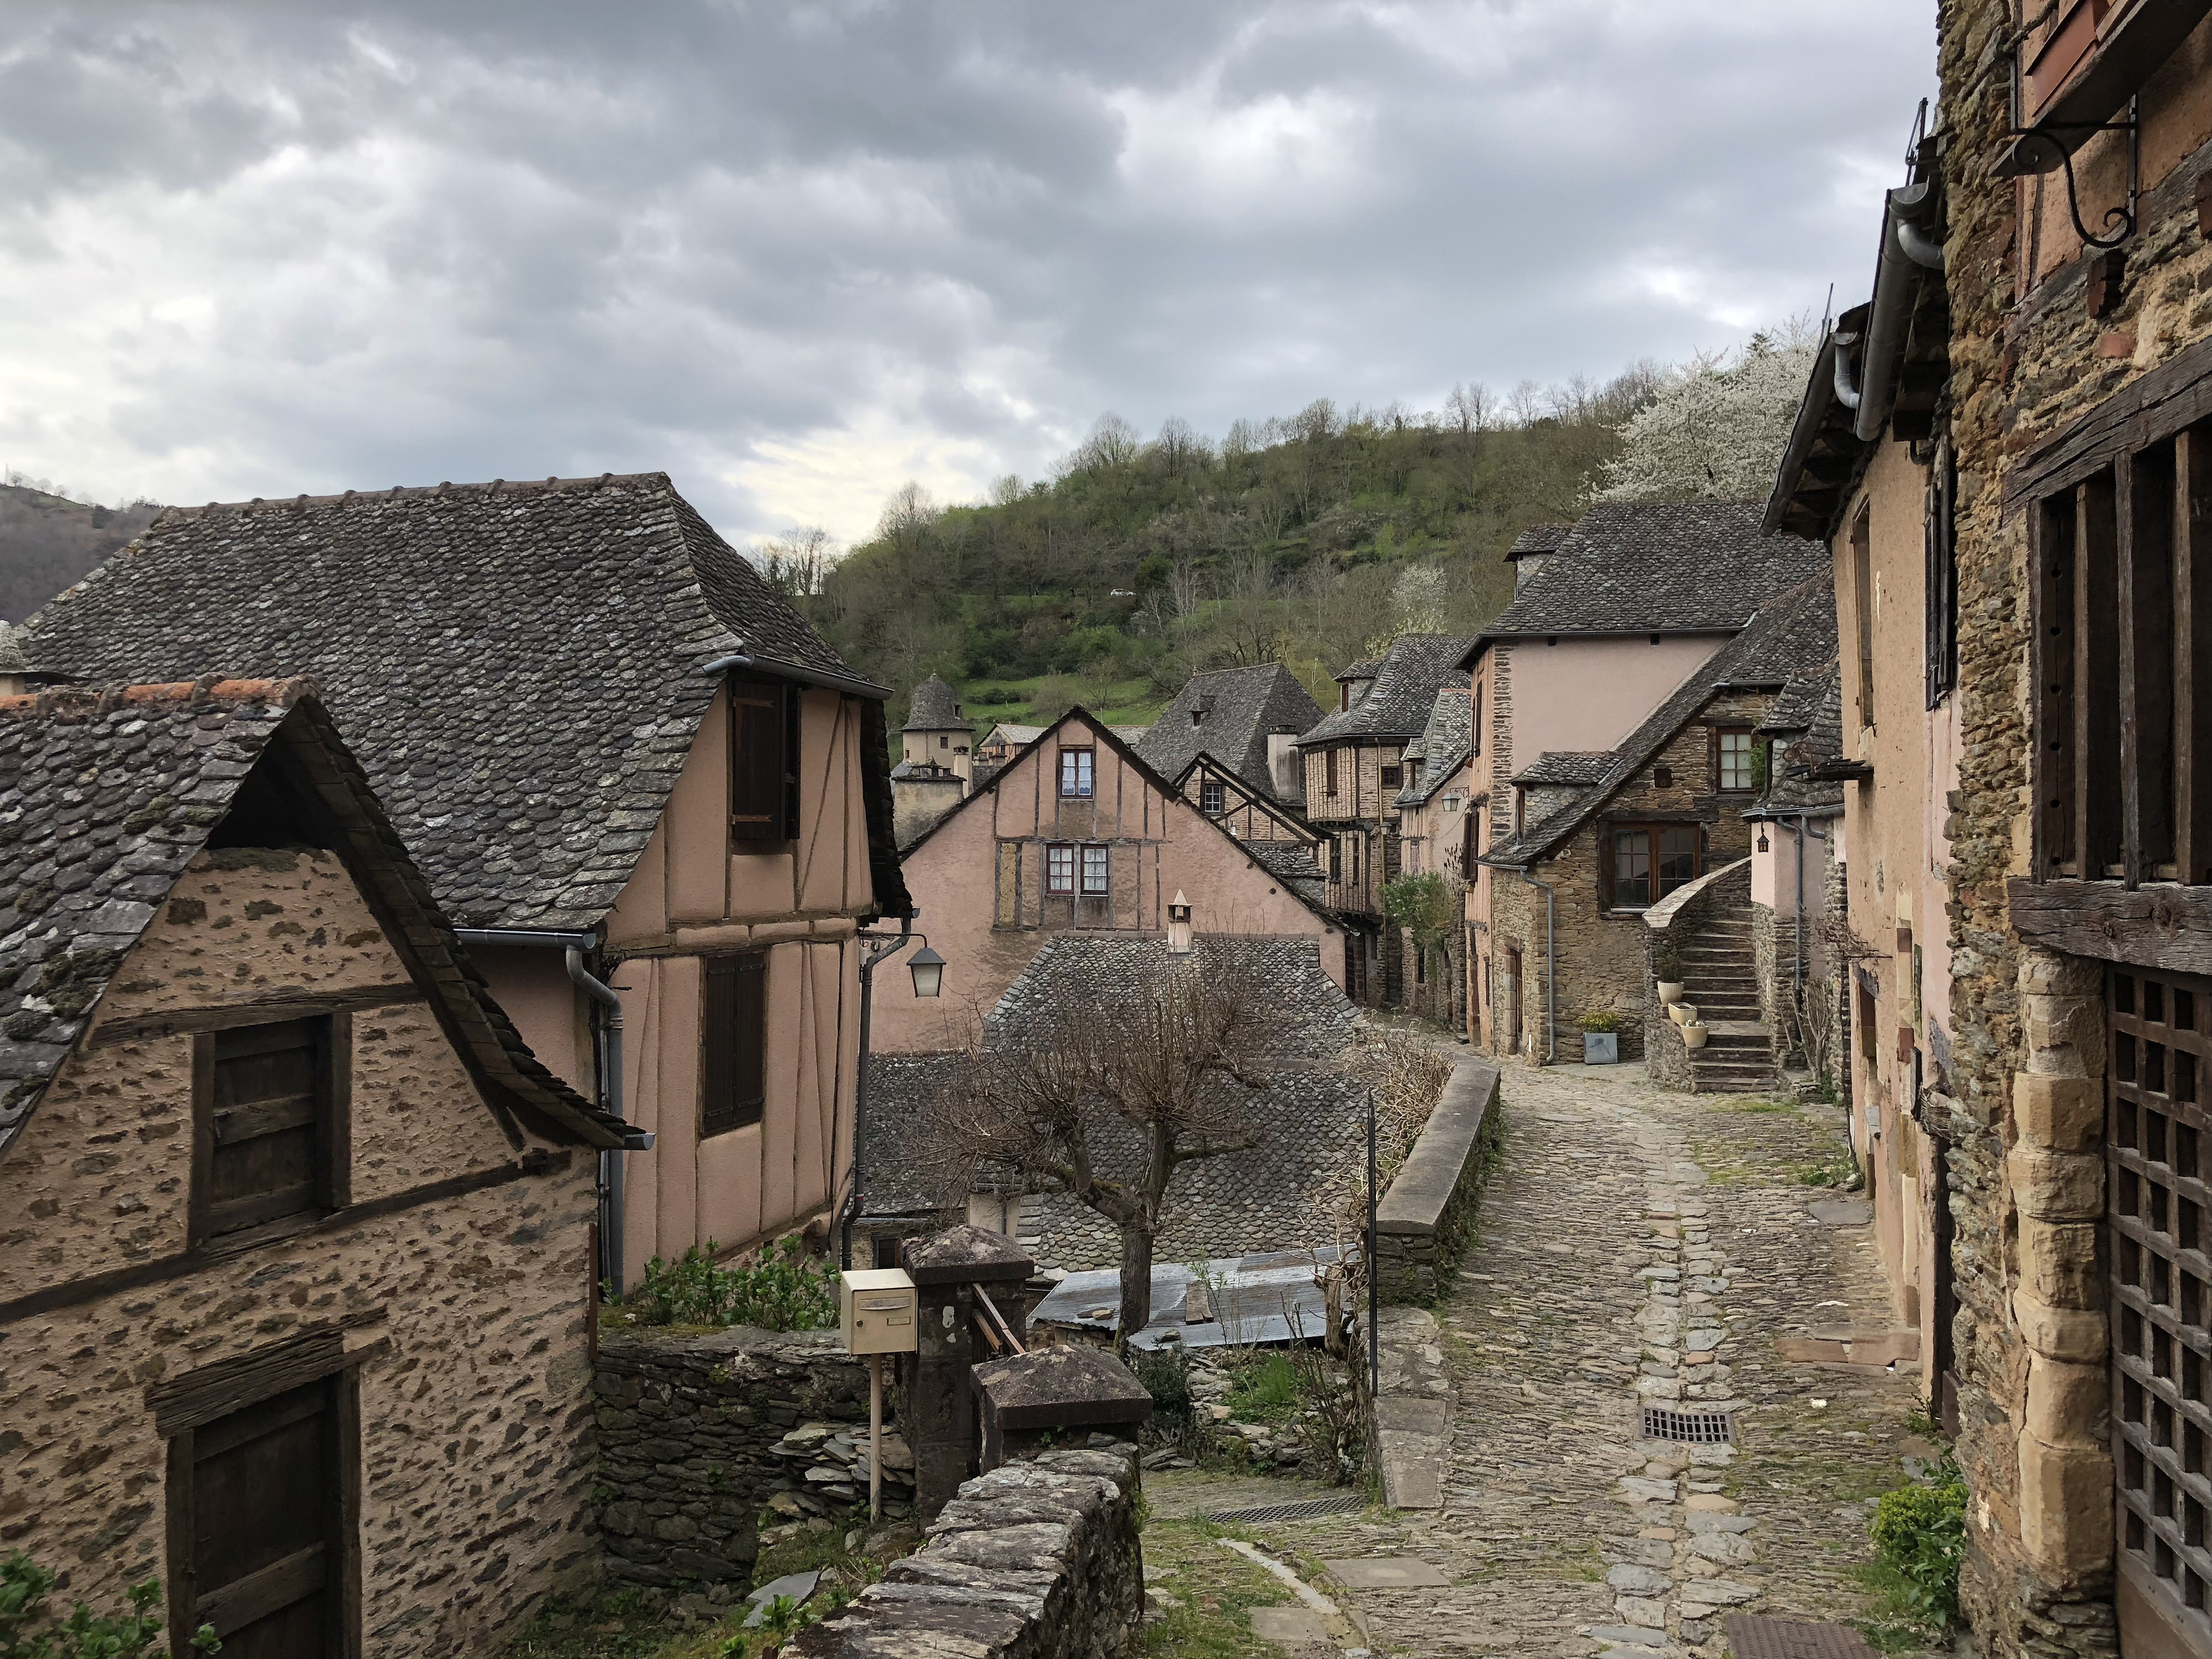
(517,665)
(1566,766)
(1792,637)
(1813,712)
(11,648)
(1397,704)
(1540,538)
(1652,567)
(1293,863)
(1442,746)
(1241,707)
(107,795)
(935,708)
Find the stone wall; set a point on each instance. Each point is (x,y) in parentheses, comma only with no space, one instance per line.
(1774,956)
(1676,921)
(1425,1217)
(1038,1559)
(701,1434)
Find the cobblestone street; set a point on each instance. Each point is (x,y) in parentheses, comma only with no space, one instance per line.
(1638,1247)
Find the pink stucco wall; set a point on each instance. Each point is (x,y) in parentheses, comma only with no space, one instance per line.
(1591,693)
(978,882)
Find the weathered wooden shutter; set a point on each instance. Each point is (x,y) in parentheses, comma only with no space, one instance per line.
(763,778)
(734,1036)
(262,1148)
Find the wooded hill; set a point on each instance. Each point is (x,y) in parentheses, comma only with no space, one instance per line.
(1310,540)
(48,542)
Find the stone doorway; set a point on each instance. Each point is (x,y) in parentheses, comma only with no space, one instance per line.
(2160,1307)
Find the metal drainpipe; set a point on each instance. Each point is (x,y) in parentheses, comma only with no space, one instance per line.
(610,1095)
(868,961)
(1551,962)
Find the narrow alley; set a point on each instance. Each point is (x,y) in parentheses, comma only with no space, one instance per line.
(1638,1249)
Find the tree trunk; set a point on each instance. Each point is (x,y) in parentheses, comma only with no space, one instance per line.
(1136,1279)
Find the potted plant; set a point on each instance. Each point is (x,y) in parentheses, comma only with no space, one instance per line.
(1667,971)
(1682,1013)
(1602,1038)
(1694,1034)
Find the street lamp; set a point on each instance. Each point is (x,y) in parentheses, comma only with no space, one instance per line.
(928,970)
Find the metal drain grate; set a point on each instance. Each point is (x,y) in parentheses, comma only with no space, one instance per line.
(1755,1638)
(1312,1508)
(1694,1428)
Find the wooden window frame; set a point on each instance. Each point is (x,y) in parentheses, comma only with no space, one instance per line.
(333,1154)
(1078,773)
(1212,796)
(1721,785)
(1393,775)
(1940,584)
(1329,767)
(1057,885)
(1475,723)
(732,1005)
(1094,854)
(762,762)
(1608,871)
(1861,546)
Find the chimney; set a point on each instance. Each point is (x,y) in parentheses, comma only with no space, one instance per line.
(1283,767)
(1178,925)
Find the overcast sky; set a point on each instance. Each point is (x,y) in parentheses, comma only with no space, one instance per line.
(794,254)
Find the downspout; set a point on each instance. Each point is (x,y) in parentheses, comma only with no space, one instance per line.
(611,1097)
(1551,962)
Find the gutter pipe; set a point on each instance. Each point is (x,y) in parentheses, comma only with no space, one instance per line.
(791,670)
(1847,393)
(1896,280)
(1551,962)
(610,1075)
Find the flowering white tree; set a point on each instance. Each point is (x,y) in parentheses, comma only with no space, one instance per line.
(1716,429)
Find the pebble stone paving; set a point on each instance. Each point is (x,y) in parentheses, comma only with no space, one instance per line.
(1638,1246)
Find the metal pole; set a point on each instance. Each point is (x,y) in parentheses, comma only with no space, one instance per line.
(1374,1268)
(869,960)
(875,1437)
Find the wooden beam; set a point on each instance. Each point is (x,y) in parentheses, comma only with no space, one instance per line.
(2051,534)
(2097,828)
(2192,664)
(2175,395)
(2162,925)
(178,1022)
(200,1397)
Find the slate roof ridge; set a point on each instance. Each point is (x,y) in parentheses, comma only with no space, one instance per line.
(934,706)
(1774,638)
(1243,706)
(403,492)
(1540,538)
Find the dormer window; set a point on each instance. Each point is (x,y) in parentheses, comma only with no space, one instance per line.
(1198,717)
(1213,799)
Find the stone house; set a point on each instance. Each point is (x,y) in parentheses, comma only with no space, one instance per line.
(2079,879)
(1353,758)
(1283,1193)
(654,802)
(1610,616)
(1874,478)
(1435,810)
(293,1214)
(935,761)
(1567,935)
(1076,833)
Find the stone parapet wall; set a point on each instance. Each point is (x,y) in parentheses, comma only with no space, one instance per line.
(1037,1560)
(1424,1219)
(701,1432)
(1675,919)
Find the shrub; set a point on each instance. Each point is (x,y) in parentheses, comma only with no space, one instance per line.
(1604,1019)
(1920,1533)
(781,1289)
(28,1631)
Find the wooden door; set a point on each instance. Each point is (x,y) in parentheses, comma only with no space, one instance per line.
(2160,1304)
(264,1547)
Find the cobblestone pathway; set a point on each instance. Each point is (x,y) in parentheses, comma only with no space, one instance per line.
(1642,1247)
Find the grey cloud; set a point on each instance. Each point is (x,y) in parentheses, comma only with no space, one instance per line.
(416,240)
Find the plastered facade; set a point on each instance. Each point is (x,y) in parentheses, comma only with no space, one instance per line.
(474,1420)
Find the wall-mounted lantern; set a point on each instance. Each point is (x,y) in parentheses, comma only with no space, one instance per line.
(1762,838)
(1179,926)
(928,970)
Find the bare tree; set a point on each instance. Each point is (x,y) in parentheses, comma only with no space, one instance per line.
(1471,407)
(1106,1103)
(796,561)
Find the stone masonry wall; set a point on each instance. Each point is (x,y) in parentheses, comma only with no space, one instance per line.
(1037,1560)
(703,1435)
(1667,1057)
(1427,1216)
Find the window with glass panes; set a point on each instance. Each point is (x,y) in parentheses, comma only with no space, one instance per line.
(2160,1302)
(1075,772)
(1059,869)
(1651,861)
(1094,869)
(1211,797)
(1734,758)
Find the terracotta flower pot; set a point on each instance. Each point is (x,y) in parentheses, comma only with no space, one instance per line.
(1670,991)
(1693,1036)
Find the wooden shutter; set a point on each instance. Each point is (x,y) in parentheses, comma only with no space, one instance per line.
(257,1523)
(265,1142)
(732,1041)
(763,775)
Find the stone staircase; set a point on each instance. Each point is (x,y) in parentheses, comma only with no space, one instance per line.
(1720,978)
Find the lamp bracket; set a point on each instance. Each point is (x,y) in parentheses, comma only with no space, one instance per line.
(2124,217)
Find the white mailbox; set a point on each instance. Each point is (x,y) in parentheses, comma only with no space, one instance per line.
(876,1307)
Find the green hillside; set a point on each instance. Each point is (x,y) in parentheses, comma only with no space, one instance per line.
(1310,540)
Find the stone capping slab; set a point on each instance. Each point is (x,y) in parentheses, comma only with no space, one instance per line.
(1415,1203)
(967,1255)
(1660,916)
(1034,1560)
(1063,1386)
